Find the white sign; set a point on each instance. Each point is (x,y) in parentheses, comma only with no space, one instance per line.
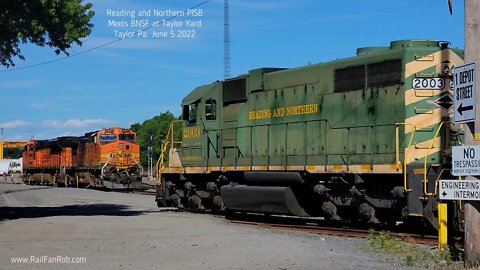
(466,160)
(420,83)
(464,93)
(459,190)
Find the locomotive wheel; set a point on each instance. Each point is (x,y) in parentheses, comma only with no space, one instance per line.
(218,204)
(176,201)
(161,203)
(195,203)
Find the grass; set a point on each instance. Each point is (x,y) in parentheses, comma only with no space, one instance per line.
(412,254)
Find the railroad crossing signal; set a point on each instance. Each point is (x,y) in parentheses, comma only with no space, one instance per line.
(464,93)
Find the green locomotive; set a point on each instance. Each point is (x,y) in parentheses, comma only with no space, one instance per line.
(361,138)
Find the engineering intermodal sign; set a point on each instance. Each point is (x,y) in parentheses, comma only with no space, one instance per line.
(466,160)
(468,190)
(464,93)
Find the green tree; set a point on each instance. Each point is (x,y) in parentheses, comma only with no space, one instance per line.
(158,127)
(136,127)
(55,23)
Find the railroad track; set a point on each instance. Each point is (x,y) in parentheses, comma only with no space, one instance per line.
(137,191)
(144,192)
(321,227)
(343,232)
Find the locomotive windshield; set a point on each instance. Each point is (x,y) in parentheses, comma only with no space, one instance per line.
(107,138)
(127,137)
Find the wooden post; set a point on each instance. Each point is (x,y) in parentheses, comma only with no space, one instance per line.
(472,55)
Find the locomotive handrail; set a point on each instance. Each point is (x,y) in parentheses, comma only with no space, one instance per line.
(425,181)
(168,140)
(139,165)
(103,167)
(405,156)
(209,141)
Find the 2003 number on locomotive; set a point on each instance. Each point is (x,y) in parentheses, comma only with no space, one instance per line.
(428,83)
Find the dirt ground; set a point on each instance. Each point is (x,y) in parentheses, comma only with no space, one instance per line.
(66,228)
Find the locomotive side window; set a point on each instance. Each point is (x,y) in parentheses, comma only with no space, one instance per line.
(192,113)
(211,109)
(126,137)
(185,112)
(107,138)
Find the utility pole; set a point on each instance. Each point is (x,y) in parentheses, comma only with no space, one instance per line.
(150,155)
(472,55)
(226,39)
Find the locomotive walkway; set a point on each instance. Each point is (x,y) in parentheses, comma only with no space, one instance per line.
(108,230)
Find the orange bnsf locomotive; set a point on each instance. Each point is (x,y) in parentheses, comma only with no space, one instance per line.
(106,158)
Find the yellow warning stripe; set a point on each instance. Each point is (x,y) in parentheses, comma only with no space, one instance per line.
(337,168)
(418,151)
(414,96)
(438,57)
(420,121)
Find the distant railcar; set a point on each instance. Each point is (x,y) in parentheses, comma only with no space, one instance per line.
(106,158)
(361,138)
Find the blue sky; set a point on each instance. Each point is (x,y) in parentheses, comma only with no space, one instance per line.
(137,78)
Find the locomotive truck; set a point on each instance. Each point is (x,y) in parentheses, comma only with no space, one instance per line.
(364,138)
(107,158)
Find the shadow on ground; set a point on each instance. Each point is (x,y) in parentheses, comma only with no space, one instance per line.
(102,209)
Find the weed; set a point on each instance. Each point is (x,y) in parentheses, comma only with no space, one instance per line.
(413,255)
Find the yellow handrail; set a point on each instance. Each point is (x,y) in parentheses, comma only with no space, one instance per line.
(168,141)
(405,156)
(425,181)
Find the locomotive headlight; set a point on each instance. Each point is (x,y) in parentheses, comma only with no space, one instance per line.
(446,70)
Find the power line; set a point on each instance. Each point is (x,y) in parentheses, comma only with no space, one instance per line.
(100,46)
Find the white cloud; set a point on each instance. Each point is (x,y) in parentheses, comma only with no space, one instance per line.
(84,123)
(51,123)
(14,124)
(75,123)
